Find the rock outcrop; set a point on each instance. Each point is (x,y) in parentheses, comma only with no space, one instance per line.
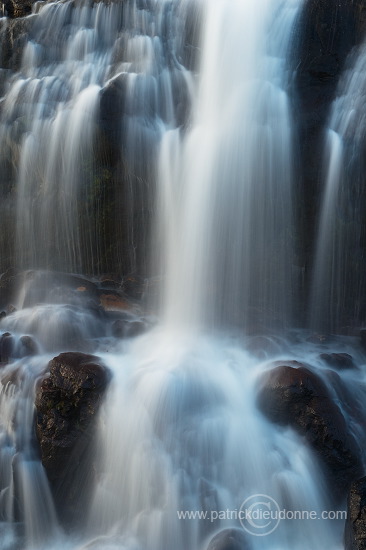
(355,532)
(67,404)
(292,395)
(328,30)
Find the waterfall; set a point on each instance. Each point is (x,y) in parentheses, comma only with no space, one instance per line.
(225,196)
(176,436)
(24,493)
(186,102)
(336,298)
(90,75)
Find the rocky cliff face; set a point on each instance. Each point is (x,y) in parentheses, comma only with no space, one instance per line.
(328,32)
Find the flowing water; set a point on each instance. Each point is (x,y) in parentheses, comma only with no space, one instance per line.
(225,188)
(340,242)
(54,113)
(179,430)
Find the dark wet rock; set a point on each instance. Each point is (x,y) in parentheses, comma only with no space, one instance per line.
(111,281)
(229,539)
(7,347)
(27,347)
(2,315)
(319,339)
(56,288)
(18,8)
(95,309)
(134,287)
(339,361)
(355,530)
(135,328)
(349,399)
(297,397)
(123,328)
(8,286)
(112,105)
(263,346)
(118,328)
(327,32)
(67,403)
(14,40)
(363,337)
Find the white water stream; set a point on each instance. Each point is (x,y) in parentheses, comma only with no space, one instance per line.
(180,430)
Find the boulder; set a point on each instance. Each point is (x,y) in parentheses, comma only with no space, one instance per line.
(18,8)
(67,403)
(123,328)
(292,395)
(55,287)
(355,531)
(110,281)
(340,361)
(114,301)
(229,539)
(7,347)
(27,346)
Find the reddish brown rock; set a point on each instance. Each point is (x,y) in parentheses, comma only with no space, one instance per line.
(114,302)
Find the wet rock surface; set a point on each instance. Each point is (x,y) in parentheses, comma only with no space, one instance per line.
(355,531)
(7,347)
(292,395)
(339,361)
(123,328)
(328,30)
(18,8)
(67,403)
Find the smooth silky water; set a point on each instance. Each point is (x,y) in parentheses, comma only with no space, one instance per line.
(179,429)
(339,243)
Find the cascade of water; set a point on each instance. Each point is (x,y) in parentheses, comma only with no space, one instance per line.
(183,430)
(80,63)
(337,279)
(24,493)
(180,429)
(225,186)
(184,434)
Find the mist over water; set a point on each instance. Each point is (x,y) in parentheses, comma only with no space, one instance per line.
(179,429)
